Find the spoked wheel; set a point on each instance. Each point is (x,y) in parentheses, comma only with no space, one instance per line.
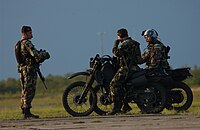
(153,99)
(180,97)
(76,106)
(104,103)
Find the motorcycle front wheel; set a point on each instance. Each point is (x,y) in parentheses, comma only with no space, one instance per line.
(152,99)
(72,103)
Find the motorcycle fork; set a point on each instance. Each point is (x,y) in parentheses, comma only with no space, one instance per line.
(86,88)
(88,83)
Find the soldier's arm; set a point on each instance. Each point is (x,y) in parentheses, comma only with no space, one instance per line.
(32,50)
(139,58)
(145,56)
(115,49)
(157,53)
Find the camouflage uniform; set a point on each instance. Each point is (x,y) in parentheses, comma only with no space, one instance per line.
(28,73)
(155,56)
(129,56)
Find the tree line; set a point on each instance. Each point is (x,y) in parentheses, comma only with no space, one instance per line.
(57,83)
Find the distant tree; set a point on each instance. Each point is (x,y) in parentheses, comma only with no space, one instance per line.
(195,79)
(58,83)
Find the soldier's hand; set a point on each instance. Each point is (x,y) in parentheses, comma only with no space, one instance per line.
(116,43)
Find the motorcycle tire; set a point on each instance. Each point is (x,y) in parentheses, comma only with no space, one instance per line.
(71,101)
(186,97)
(155,102)
(103,105)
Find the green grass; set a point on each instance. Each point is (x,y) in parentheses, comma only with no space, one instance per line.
(195,108)
(48,106)
(45,106)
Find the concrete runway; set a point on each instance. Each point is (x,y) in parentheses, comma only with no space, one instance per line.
(117,122)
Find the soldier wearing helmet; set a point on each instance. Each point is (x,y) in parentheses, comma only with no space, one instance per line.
(156,54)
(129,56)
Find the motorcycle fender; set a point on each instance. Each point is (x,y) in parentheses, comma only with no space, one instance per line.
(78,74)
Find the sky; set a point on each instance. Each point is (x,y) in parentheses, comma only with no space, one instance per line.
(70,30)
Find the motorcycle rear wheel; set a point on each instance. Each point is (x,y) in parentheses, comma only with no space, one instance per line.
(185,97)
(155,102)
(103,105)
(71,101)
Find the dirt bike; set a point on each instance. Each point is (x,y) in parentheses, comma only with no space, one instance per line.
(179,96)
(81,98)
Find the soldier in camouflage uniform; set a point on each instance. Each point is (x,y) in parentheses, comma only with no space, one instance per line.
(156,54)
(129,56)
(28,71)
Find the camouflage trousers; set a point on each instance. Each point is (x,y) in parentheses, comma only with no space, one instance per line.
(117,90)
(28,80)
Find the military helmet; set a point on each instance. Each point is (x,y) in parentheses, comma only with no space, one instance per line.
(122,32)
(150,32)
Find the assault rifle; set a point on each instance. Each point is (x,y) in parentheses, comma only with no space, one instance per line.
(43,56)
(41,77)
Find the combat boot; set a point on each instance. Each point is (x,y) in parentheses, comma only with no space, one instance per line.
(114,111)
(117,100)
(126,108)
(23,112)
(117,108)
(27,114)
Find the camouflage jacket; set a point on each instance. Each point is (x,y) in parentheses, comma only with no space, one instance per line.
(155,56)
(29,53)
(129,53)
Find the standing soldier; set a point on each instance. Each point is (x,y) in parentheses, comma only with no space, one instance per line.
(129,56)
(156,54)
(28,58)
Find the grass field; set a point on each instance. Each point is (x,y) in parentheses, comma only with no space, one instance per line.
(48,106)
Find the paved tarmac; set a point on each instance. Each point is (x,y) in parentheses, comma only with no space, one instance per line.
(118,122)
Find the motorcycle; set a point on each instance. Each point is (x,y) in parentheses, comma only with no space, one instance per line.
(81,98)
(179,96)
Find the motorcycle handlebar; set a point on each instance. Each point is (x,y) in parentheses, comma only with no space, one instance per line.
(102,59)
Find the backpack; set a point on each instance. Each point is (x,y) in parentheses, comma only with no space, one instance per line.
(18,53)
(167,49)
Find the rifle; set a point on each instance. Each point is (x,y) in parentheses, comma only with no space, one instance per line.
(43,56)
(41,77)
